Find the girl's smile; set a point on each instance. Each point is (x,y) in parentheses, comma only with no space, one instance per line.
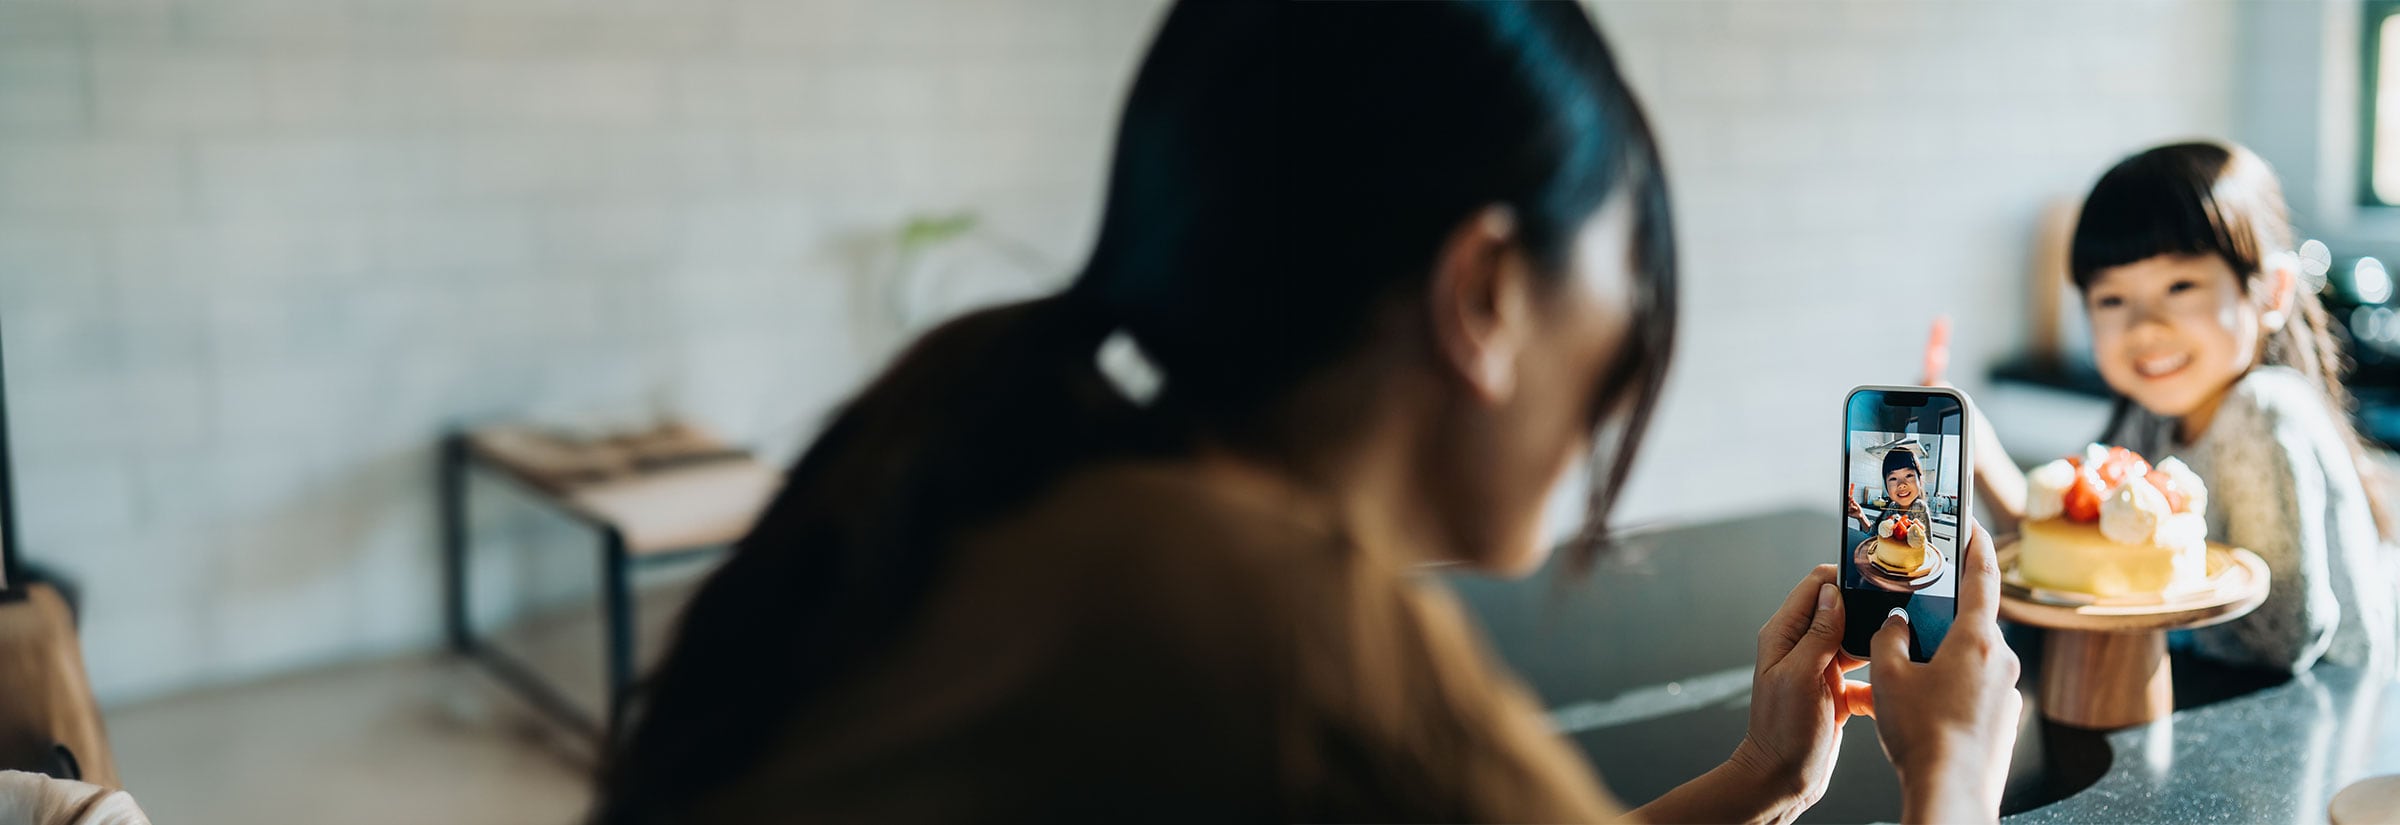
(2161,366)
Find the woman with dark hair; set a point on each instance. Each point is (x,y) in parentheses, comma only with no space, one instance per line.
(1395,270)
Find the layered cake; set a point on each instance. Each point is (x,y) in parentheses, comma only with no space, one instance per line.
(2108,523)
(1900,547)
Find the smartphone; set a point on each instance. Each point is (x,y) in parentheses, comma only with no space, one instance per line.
(1907,490)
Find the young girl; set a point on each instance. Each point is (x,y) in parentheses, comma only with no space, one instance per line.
(2220,357)
(1903,482)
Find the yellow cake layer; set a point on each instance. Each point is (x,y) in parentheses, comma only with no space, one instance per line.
(1898,555)
(2063,555)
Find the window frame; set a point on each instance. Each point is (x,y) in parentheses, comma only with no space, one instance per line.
(2377,13)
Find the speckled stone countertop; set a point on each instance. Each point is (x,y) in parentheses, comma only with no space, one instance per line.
(1645,662)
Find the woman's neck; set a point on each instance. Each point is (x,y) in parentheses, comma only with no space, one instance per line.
(1364,500)
(1364,478)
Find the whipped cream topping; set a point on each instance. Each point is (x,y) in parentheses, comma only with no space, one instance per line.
(2048,487)
(1916,530)
(2194,491)
(2131,513)
(2046,490)
(2181,530)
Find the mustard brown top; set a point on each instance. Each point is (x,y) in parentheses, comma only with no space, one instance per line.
(1146,643)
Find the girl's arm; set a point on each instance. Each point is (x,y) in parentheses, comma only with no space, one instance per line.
(1998,482)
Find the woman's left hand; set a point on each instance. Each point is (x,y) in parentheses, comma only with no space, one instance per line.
(1798,697)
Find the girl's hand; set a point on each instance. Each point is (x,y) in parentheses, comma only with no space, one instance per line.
(1798,698)
(1850,510)
(1937,353)
(1949,725)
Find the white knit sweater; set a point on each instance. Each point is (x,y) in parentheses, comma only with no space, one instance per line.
(2282,482)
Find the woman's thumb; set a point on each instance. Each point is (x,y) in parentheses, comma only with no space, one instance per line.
(1824,629)
(1891,643)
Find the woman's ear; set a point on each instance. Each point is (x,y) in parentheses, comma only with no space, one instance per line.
(1480,304)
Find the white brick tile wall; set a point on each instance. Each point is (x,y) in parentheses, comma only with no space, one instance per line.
(39,24)
(140,90)
(148,23)
(42,88)
(78,496)
(90,178)
(172,409)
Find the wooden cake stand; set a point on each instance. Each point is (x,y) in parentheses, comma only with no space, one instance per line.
(2104,665)
(1863,559)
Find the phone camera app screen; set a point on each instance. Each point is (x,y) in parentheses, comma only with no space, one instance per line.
(1900,513)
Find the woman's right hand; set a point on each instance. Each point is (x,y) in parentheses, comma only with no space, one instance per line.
(1950,724)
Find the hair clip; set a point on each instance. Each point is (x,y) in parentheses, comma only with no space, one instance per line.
(1130,370)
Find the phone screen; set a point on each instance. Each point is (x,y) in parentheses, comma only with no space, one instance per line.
(1903,482)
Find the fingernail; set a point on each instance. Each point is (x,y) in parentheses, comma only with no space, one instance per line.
(1900,613)
(1824,597)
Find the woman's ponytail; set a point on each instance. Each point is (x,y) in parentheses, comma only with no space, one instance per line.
(972,419)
